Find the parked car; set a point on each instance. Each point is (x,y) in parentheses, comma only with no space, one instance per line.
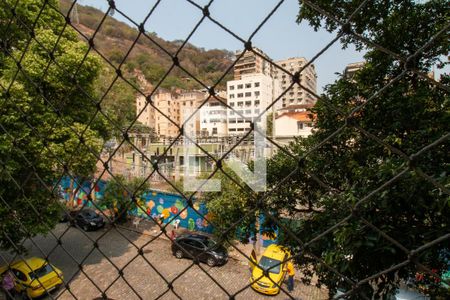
(87,219)
(34,276)
(200,246)
(271,260)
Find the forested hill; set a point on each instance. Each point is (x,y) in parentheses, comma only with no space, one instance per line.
(114,39)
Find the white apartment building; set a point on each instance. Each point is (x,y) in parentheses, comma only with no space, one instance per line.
(295,95)
(213,118)
(249,96)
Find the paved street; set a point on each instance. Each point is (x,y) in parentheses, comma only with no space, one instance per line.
(144,276)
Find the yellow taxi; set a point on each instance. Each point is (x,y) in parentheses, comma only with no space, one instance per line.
(34,276)
(271,260)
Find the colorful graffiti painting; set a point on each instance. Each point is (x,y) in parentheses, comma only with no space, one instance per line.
(152,203)
(69,188)
(172,207)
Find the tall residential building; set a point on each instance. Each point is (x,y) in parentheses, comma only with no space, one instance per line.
(174,104)
(249,96)
(352,68)
(295,95)
(147,117)
(250,63)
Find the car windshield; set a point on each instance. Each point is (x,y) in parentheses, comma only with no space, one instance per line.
(266,263)
(42,271)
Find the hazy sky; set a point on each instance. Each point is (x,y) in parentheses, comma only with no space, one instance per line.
(281,37)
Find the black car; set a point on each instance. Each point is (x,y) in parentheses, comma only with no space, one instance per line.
(201,247)
(87,219)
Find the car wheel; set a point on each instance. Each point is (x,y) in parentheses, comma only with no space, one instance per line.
(85,228)
(179,254)
(211,262)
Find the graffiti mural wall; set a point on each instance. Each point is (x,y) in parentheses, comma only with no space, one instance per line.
(170,205)
(154,204)
(69,188)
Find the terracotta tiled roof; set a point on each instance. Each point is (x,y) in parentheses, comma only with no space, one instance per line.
(304,116)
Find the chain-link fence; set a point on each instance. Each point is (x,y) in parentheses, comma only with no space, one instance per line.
(360,206)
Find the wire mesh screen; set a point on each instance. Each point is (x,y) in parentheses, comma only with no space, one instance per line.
(357,210)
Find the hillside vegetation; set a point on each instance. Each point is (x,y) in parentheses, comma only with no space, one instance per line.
(113,41)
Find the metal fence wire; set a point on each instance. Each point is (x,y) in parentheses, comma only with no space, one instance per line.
(18,190)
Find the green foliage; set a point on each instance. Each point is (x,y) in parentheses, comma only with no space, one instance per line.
(42,116)
(408,115)
(231,205)
(118,102)
(119,195)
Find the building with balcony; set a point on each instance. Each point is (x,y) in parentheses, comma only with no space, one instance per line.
(169,111)
(296,95)
(251,63)
(351,69)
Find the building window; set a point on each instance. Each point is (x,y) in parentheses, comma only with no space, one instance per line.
(231,87)
(240,86)
(256,102)
(233,121)
(257,93)
(214,131)
(248,85)
(256,84)
(240,104)
(248,103)
(240,95)
(232,129)
(232,104)
(257,111)
(248,111)
(299,125)
(248,94)
(231,96)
